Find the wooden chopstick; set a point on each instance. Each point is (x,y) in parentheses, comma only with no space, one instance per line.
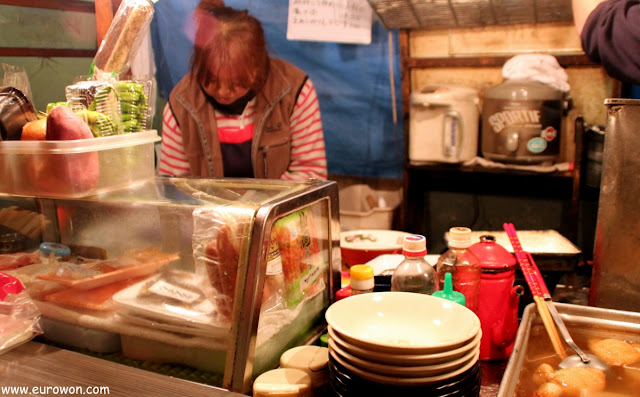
(537,286)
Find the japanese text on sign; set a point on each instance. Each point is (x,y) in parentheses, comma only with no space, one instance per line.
(342,21)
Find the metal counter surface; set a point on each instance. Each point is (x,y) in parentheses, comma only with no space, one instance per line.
(492,372)
(48,369)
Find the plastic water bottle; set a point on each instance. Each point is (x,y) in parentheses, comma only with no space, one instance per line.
(414,273)
(463,265)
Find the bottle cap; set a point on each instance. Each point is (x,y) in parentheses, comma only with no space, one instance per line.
(448,293)
(414,245)
(314,360)
(362,277)
(459,237)
(282,382)
(59,250)
(361,272)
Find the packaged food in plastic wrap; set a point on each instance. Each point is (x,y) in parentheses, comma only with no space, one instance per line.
(124,37)
(97,103)
(19,316)
(136,97)
(274,286)
(302,263)
(220,247)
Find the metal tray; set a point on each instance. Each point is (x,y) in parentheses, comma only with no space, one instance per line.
(587,319)
(551,250)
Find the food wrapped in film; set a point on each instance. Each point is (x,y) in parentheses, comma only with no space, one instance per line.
(135,109)
(19,316)
(98,104)
(174,287)
(122,41)
(302,262)
(220,246)
(274,286)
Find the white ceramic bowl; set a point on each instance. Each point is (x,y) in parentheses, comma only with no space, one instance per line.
(358,247)
(405,371)
(405,359)
(402,323)
(399,381)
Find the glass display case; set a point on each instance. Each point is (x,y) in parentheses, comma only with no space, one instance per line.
(218,275)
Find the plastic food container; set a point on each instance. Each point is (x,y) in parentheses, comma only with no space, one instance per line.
(76,168)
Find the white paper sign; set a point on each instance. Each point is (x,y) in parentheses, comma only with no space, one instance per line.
(341,21)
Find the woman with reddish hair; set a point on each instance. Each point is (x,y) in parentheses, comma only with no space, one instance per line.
(240,112)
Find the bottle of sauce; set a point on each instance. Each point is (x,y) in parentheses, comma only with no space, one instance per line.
(414,273)
(463,265)
(362,279)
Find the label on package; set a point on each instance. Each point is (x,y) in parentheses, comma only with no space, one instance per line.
(524,126)
(169,290)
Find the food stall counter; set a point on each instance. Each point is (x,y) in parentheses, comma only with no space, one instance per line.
(46,370)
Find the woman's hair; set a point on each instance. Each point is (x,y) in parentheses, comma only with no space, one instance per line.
(229,44)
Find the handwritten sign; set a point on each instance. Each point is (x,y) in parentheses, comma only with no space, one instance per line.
(341,21)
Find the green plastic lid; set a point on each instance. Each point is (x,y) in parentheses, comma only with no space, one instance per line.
(448,293)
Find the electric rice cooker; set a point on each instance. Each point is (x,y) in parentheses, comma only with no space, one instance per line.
(522,122)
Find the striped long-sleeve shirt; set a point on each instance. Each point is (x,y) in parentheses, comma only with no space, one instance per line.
(308,158)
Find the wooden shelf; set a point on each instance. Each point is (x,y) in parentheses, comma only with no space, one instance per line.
(64,5)
(477,169)
(488,61)
(422,183)
(47,52)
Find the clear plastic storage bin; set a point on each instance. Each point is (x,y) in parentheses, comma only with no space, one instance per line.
(77,168)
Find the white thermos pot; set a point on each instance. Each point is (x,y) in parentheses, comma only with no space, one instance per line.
(443,124)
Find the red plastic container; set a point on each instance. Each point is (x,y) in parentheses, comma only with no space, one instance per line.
(360,246)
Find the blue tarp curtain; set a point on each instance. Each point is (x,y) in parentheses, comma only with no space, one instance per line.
(352,82)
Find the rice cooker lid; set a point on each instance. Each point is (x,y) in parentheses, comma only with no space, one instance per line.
(445,93)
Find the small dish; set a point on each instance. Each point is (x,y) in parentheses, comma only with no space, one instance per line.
(405,359)
(203,315)
(403,323)
(353,385)
(396,381)
(185,328)
(405,371)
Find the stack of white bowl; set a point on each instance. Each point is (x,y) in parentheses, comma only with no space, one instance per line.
(387,341)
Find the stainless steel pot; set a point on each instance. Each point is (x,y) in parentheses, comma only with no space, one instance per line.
(616,280)
(15,111)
